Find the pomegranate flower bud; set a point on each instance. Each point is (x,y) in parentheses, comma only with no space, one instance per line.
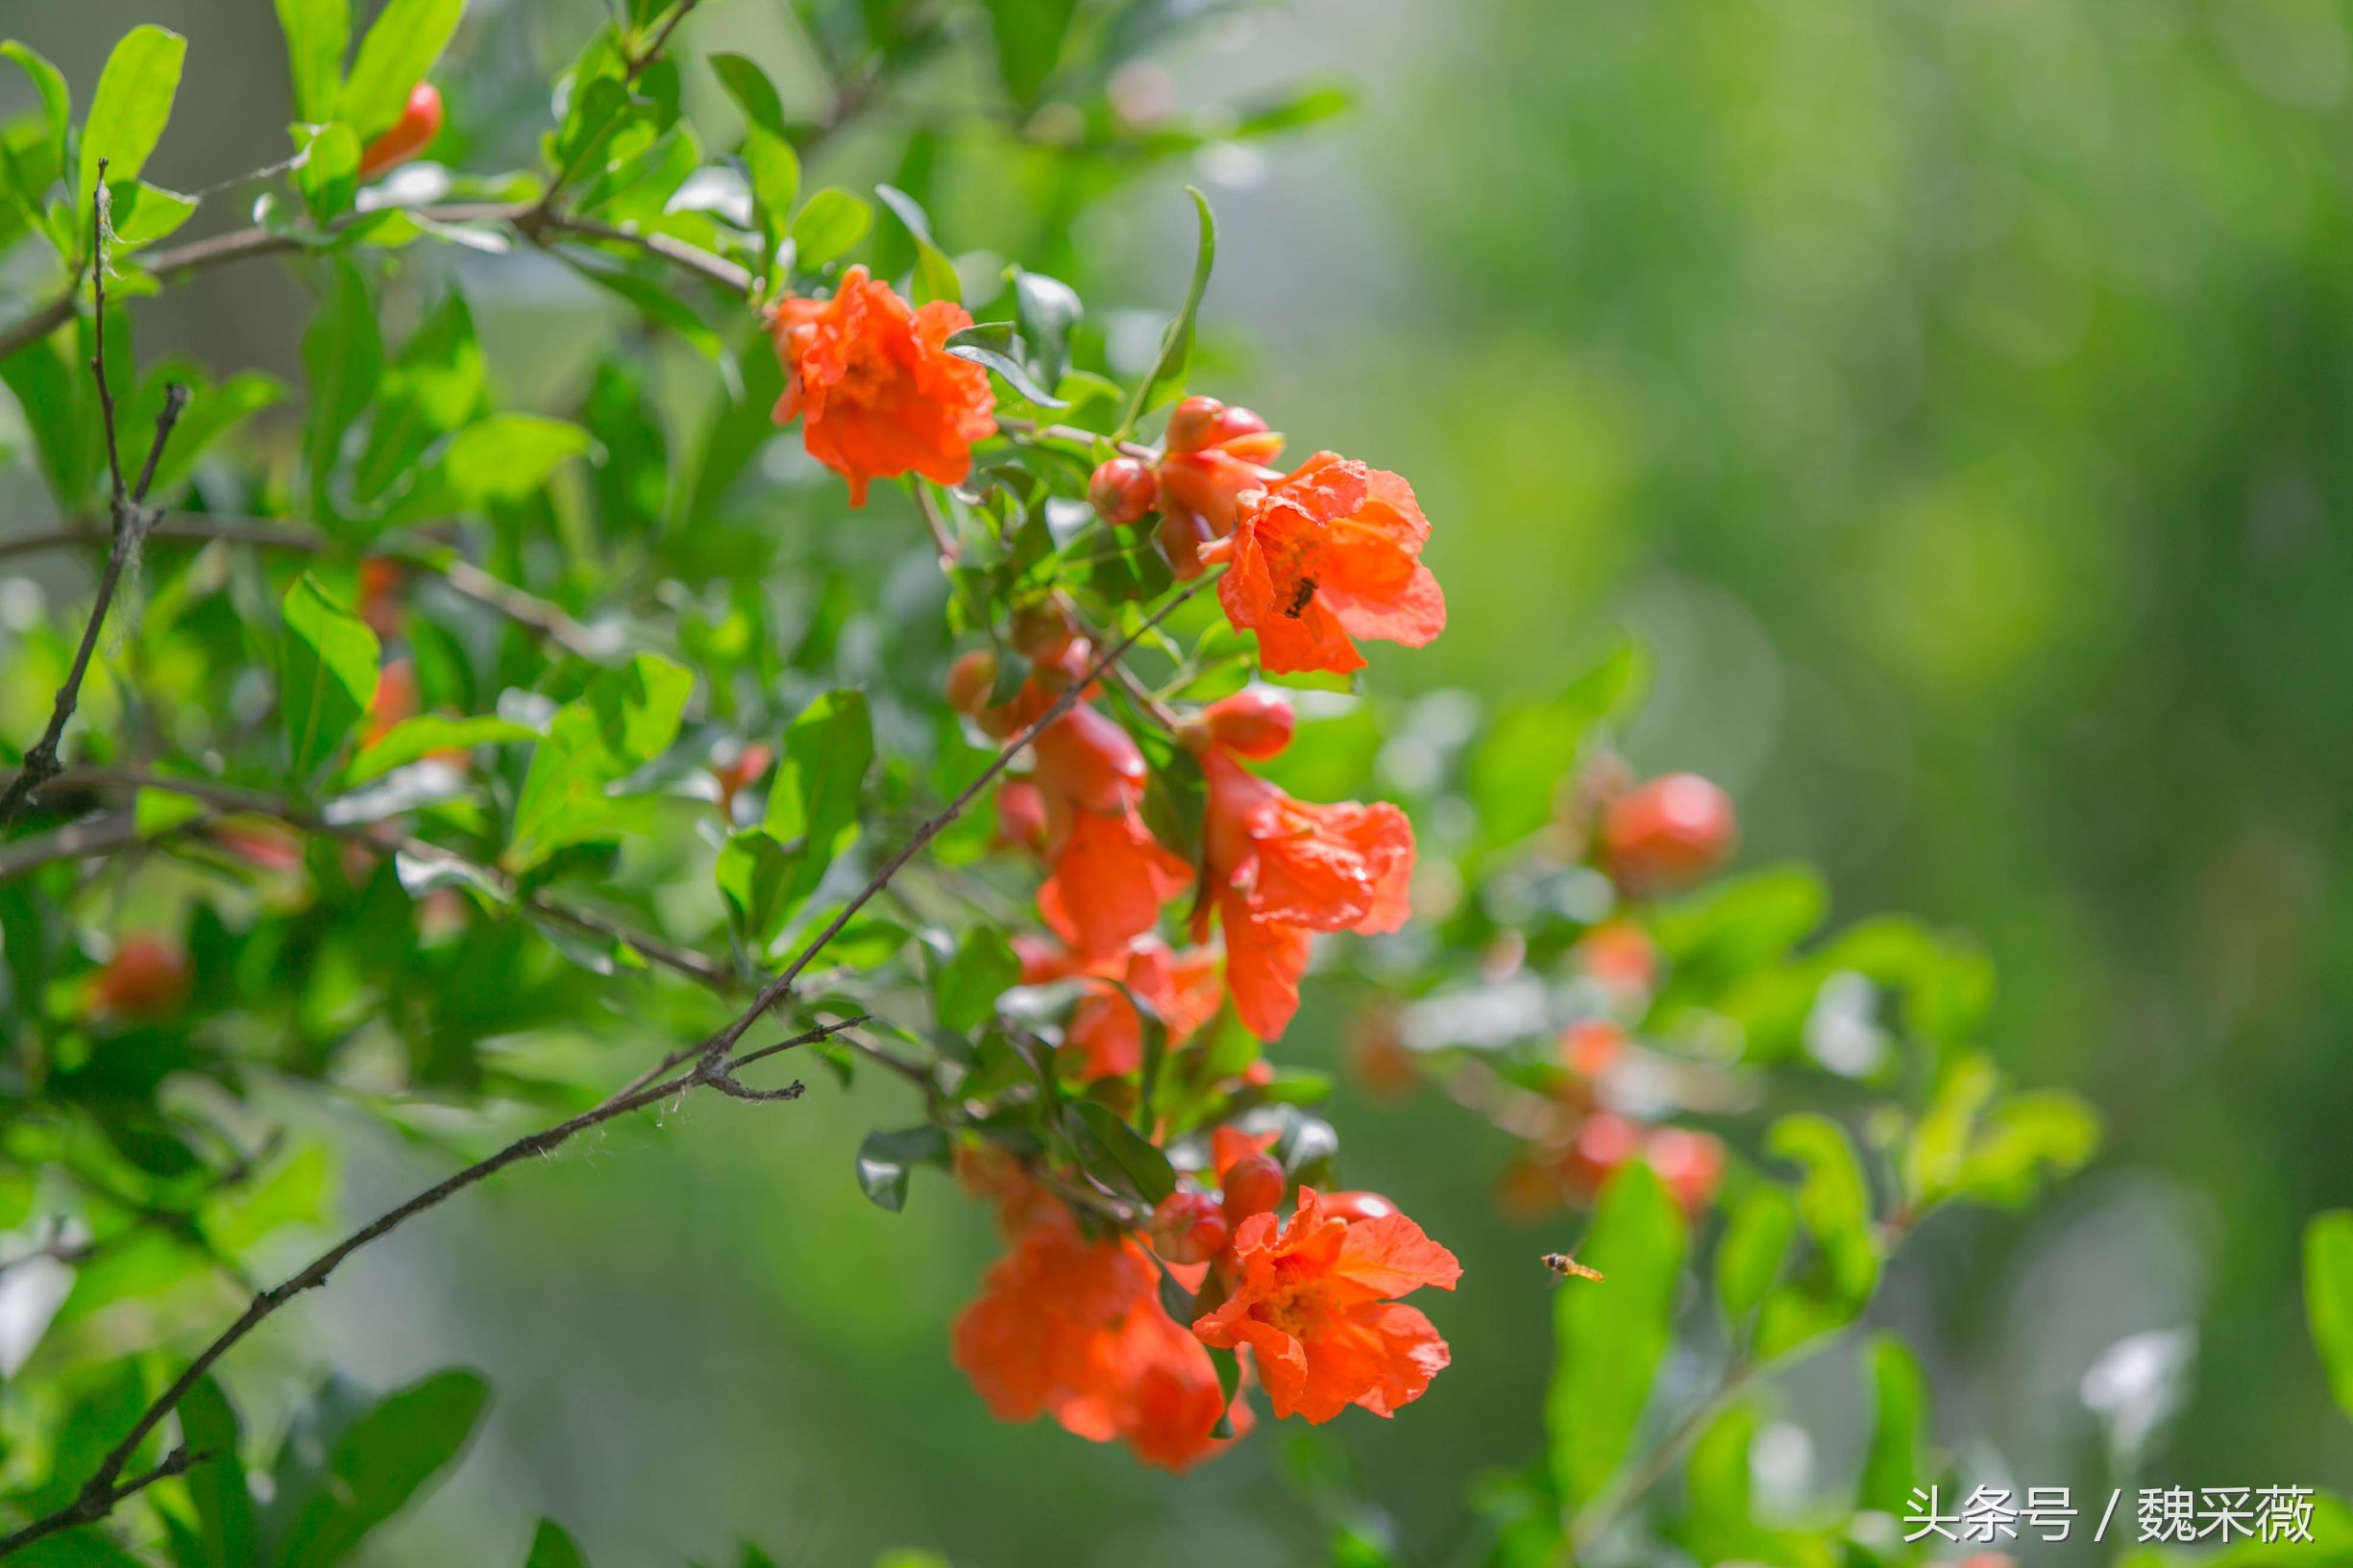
(969,681)
(1668,833)
(1042,632)
(1254,1185)
(1189,1228)
(1123,490)
(1254,723)
(420,122)
(1201,422)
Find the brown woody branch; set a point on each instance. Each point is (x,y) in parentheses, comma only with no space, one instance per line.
(132,520)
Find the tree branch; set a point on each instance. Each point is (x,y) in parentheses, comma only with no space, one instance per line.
(132,520)
(106,1487)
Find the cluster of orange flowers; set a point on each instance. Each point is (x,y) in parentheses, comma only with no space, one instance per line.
(1070,1323)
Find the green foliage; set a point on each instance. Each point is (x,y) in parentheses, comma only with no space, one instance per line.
(1609,1340)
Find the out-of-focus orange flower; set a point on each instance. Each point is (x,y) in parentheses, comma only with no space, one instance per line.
(1690,1163)
(1105,1035)
(1280,869)
(1329,553)
(1110,876)
(1253,723)
(379,595)
(396,697)
(1620,957)
(1073,1329)
(877,392)
(739,773)
(1020,816)
(1315,1302)
(1589,1046)
(1668,833)
(1605,1141)
(147,978)
(1378,1056)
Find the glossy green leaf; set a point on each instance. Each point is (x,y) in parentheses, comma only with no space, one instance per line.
(507,458)
(935,274)
(327,677)
(1833,1202)
(553,1548)
(329,177)
(1609,1338)
(132,106)
(61,413)
(317,34)
(1895,1461)
(2328,1297)
(885,1160)
(1029,39)
(412,740)
(57,100)
(1046,309)
(1519,767)
(1165,380)
(828,224)
(401,45)
(755,876)
(813,805)
(982,968)
(343,355)
(383,1458)
(226,1532)
(624,718)
(1118,1154)
(768,146)
(1748,1259)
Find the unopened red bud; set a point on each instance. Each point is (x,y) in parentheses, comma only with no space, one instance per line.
(1254,1185)
(1253,723)
(1042,632)
(1201,422)
(1189,1228)
(1668,833)
(1123,490)
(420,122)
(970,679)
(146,979)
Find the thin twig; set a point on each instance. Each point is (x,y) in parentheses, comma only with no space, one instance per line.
(1596,1518)
(653,49)
(105,1489)
(927,502)
(132,520)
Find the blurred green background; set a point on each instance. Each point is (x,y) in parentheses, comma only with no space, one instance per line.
(1959,399)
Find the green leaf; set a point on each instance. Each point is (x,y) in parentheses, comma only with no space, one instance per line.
(144,213)
(624,718)
(508,458)
(755,875)
(1297,110)
(935,274)
(57,100)
(154,812)
(329,177)
(317,33)
(885,1160)
(828,225)
(1749,1258)
(1046,309)
(1118,1154)
(402,46)
(61,411)
(551,1548)
(382,1461)
(1834,1202)
(226,1533)
(1175,799)
(1029,40)
(412,740)
(1017,374)
(1895,1461)
(1166,378)
(133,104)
(433,387)
(2328,1297)
(342,353)
(983,967)
(1609,1338)
(768,146)
(820,784)
(327,677)
(1516,773)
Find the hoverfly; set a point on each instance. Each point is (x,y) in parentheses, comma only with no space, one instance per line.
(1566,1267)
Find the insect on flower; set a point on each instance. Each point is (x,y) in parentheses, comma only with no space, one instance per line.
(1566,1267)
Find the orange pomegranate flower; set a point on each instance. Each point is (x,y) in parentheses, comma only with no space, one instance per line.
(1106,1033)
(1110,876)
(1315,1301)
(1281,870)
(878,393)
(1328,553)
(1073,1329)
